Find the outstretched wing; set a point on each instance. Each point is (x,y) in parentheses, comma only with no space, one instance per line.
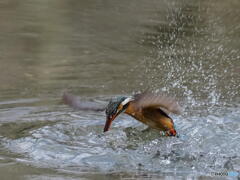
(78,104)
(150,100)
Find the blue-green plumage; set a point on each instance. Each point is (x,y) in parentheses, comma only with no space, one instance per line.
(112,106)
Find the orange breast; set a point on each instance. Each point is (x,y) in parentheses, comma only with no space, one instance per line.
(150,117)
(133,111)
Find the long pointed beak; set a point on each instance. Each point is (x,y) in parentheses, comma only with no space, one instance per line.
(108,123)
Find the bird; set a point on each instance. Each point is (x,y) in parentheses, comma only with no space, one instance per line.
(151,109)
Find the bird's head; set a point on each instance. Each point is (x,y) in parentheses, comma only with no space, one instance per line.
(115,107)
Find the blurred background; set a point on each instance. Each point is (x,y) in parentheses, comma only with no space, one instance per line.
(98,49)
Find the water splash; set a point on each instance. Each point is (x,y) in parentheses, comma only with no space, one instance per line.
(207,143)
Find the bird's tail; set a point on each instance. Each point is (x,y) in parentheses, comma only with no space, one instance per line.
(76,103)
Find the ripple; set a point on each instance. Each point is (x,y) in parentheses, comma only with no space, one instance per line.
(206,144)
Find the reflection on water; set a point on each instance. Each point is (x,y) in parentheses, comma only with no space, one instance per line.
(100,49)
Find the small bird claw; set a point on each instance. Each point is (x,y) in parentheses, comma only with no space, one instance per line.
(171,132)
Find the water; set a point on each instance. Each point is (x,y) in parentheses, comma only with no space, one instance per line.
(102,49)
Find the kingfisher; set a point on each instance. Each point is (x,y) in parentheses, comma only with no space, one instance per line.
(150,109)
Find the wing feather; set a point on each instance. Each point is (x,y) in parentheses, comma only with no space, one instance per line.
(76,103)
(150,100)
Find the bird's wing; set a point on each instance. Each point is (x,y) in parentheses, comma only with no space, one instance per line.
(150,100)
(77,103)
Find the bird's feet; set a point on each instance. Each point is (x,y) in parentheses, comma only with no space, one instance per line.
(171,132)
